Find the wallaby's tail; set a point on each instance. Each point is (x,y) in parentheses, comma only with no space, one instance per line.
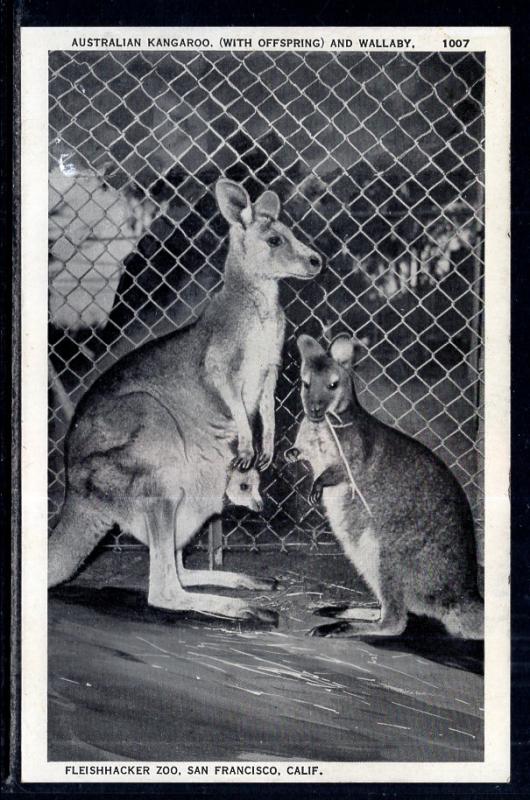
(79,529)
(466,619)
(480,580)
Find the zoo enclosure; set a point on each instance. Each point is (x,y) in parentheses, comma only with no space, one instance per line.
(378,160)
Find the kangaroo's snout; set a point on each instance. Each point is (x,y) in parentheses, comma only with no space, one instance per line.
(313,261)
(258,505)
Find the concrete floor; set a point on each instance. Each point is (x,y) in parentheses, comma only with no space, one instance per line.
(130,682)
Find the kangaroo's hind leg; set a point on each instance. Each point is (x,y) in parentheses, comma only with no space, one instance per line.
(188,522)
(165,587)
(165,590)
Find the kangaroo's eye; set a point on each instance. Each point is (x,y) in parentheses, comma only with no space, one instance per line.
(333,385)
(306,384)
(244,487)
(274,241)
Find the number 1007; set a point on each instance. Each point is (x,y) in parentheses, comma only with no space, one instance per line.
(455,42)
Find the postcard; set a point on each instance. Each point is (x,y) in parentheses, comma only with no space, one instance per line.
(265,405)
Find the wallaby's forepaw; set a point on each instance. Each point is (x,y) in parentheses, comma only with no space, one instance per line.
(291,455)
(334,629)
(263,460)
(244,459)
(315,495)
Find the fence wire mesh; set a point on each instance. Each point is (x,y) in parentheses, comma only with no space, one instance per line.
(378,160)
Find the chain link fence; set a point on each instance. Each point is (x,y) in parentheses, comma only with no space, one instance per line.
(378,159)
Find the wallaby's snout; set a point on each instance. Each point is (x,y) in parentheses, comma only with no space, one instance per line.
(316,408)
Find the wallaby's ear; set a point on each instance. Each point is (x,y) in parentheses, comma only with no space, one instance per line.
(268,205)
(342,350)
(233,201)
(309,347)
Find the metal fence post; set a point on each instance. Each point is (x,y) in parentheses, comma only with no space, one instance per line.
(215,543)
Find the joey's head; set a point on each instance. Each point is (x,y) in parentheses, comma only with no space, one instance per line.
(261,245)
(243,489)
(327,384)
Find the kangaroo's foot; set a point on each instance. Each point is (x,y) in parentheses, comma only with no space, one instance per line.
(359,613)
(228,580)
(212,605)
(222,578)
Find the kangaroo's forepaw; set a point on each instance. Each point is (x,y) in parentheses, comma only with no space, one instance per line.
(291,455)
(264,460)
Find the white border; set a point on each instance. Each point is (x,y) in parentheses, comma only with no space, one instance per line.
(36,42)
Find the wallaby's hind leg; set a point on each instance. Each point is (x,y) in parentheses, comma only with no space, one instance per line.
(392,622)
(393,616)
(81,526)
(165,588)
(222,578)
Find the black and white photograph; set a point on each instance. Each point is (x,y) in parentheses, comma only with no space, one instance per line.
(267,404)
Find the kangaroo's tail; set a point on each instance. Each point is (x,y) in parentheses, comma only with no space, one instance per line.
(78,531)
(466,619)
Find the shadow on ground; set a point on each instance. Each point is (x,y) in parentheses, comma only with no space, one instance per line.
(131,604)
(429,639)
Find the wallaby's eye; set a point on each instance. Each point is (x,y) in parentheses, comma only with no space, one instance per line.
(333,385)
(306,384)
(274,241)
(244,487)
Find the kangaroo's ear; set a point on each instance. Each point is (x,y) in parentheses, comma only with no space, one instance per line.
(342,350)
(233,201)
(309,347)
(268,205)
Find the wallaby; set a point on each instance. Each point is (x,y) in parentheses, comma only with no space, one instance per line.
(157,430)
(401,517)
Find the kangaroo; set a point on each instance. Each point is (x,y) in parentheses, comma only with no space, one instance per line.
(155,434)
(405,523)
(242,490)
